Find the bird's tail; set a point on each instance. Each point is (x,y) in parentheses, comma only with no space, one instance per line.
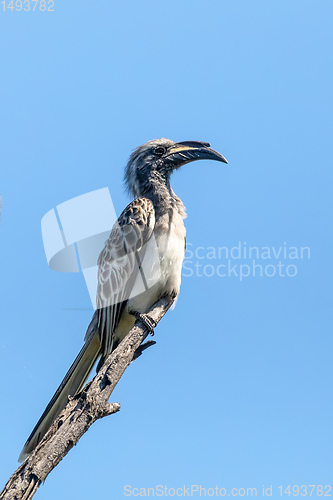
(71,385)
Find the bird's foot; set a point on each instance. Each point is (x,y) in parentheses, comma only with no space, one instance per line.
(149,323)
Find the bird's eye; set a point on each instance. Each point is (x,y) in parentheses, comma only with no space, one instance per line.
(160,150)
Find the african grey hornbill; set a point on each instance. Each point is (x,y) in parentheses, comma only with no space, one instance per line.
(156,214)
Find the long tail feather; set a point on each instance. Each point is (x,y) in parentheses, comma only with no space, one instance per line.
(71,385)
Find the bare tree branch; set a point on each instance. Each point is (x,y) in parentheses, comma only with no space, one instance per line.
(81,411)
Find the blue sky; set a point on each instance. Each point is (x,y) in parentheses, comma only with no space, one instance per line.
(237,392)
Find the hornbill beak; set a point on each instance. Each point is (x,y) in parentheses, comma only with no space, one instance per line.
(187,151)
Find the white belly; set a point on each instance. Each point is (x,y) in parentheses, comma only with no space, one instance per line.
(162,272)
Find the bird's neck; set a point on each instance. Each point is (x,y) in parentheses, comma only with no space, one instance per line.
(160,192)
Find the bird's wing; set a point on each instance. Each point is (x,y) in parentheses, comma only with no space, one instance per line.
(119,264)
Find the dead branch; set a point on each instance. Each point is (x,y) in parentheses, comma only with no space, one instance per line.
(81,412)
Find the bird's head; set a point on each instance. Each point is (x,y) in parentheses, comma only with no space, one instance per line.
(157,159)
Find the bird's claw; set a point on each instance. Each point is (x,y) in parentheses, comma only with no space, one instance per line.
(147,320)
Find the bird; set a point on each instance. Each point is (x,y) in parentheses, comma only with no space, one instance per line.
(155,215)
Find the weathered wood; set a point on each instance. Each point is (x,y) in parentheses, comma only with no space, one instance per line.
(81,412)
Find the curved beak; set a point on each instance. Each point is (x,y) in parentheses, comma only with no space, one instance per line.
(187,151)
